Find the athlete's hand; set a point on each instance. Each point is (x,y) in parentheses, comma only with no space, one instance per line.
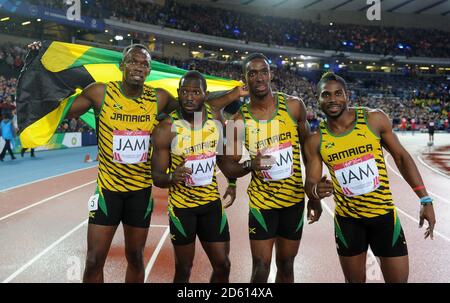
(35,46)
(180,173)
(314,209)
(230,192)
(427,213)
(323,189)
(261,162)
(242,91)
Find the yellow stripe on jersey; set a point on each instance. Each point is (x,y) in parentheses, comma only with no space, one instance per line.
(190,143)
(274,134)
(358,171)
(122,120)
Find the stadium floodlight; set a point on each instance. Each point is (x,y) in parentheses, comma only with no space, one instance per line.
(118,38)
(106,31)
(26,23)
(184,43)
(4,19)
(129,35)
(38,20)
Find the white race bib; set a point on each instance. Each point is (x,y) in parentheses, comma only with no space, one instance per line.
(93,202)
(358,176)
(130,147)
(283,168)
(202,167)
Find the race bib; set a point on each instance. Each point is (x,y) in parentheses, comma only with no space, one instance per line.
(130,147)
(93,202)
(284,162)
(202,167)
(358,176)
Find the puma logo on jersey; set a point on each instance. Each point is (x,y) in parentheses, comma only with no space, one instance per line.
(362,135)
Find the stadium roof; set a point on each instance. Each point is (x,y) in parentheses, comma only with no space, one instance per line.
(430,7)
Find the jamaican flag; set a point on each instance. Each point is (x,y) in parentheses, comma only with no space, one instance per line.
(53,76)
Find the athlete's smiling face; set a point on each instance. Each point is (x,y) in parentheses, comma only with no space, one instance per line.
(136,66)
(333,98)
(258,77)
(192,95)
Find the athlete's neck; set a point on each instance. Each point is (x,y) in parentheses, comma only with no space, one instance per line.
(343,122)
(191,117)
(132,91)
(266,103)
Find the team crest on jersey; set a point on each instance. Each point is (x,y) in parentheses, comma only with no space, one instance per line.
(329,145)
(255,130)
(117,106)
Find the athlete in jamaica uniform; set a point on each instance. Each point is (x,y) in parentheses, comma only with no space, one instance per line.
(350,142)
(271,127)
(126,113)
(184,160)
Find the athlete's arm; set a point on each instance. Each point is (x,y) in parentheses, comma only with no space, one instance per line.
(91,97)
(220,102)
(166,102)
(380,123)
(297,109)
(161,139)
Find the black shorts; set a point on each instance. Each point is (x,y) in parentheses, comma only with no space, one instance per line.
(384,234)
(208,221)
(285,222)
(133,208)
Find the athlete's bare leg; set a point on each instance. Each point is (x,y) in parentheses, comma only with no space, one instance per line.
(135,238)
(99,239)
(184,256)
(354,268)
(262,257)
(395,269)
(217,253)
(286,250)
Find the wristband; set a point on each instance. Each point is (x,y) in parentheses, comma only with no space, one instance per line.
(418,188)
(426,200)
(232,182)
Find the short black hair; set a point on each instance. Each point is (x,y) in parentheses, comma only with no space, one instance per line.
(133,46)
(252,57)
(330,76)
(193,74)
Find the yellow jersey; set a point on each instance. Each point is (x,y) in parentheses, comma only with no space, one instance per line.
(198,148)
(125,126)
(358,171)
(282,185)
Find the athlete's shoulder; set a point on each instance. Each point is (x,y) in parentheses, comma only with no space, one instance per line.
(296,107)
(375,113)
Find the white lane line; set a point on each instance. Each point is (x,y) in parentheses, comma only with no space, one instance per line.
(47,178)
(437,233)
(46,200)
(156,253)
(430,192)
(38,256)
(432,168)
(273,268)
(160,226)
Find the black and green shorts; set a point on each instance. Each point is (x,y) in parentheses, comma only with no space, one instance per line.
(384,235)
(284,222)
(208,221)
(133,208)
